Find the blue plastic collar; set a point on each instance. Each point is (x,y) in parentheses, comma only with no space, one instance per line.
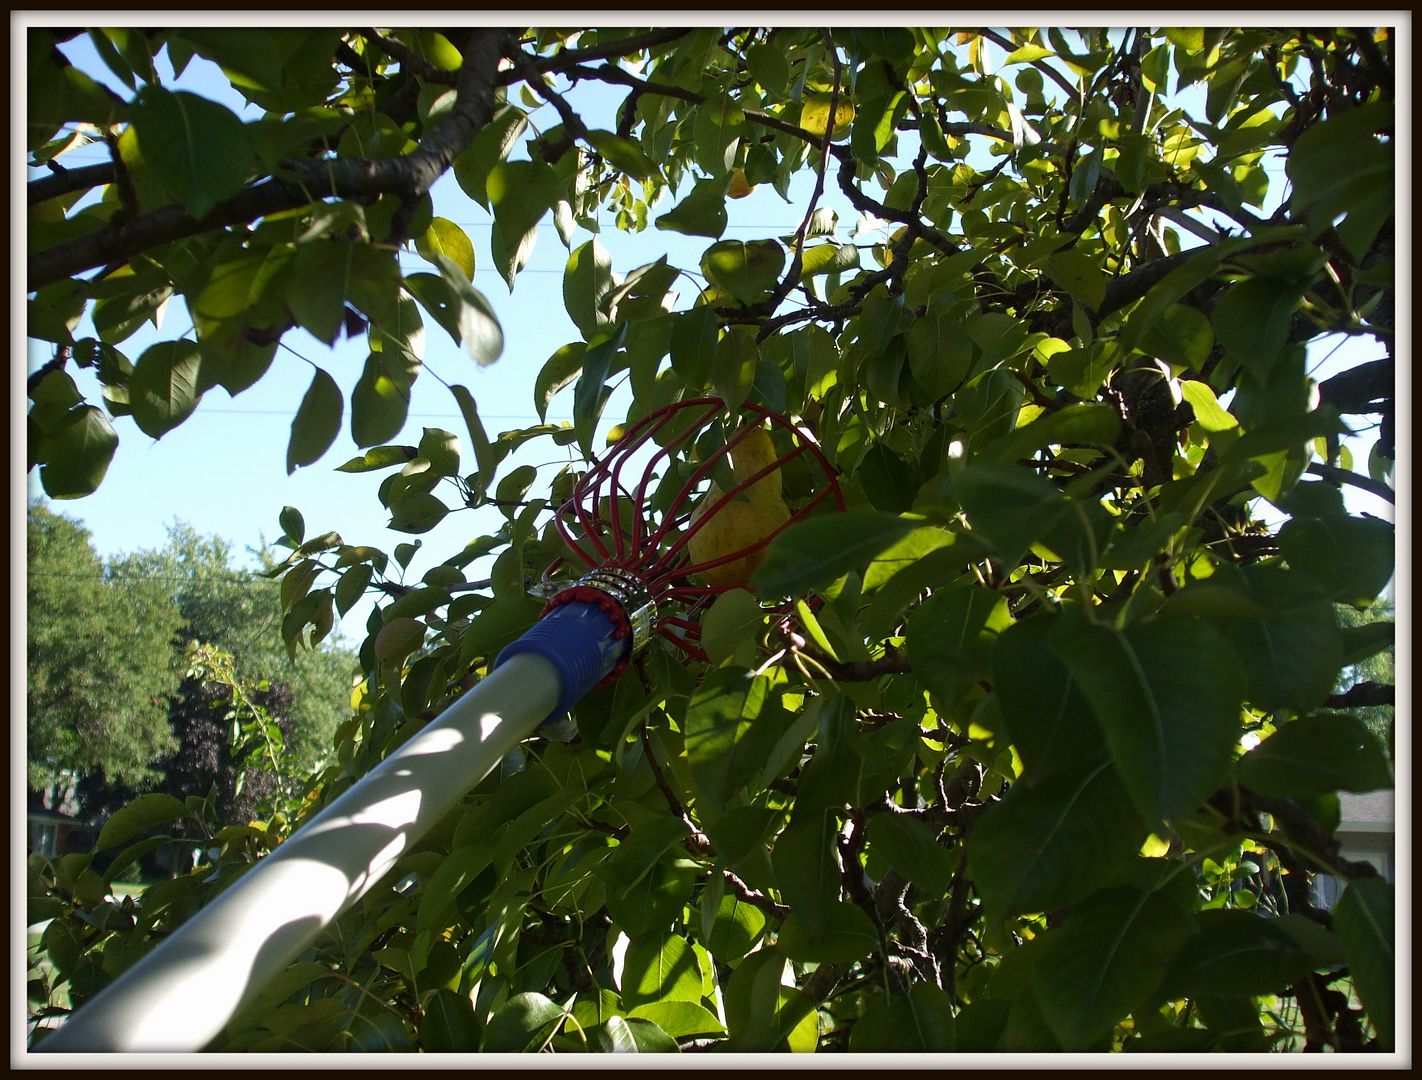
(576,638)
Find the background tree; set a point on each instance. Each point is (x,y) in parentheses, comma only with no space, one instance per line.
(993,794)
(101,668)
(239,613)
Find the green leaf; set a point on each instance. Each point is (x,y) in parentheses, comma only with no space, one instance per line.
(279,69)
(522,1025)
(1106,961)
(1362,642)
(1012,508)
(1352,557)
(1052,843)
(693,346)
(828,258)
(848,935)
(352,586)
(1080,275)
(753,998)
(732,723)
(806,863)
(733,618)
(197,147)
(645,892)
(1198,267)
(1281,628)
(1209,413)
(949,636)
(635,1035)
(735,929)
(746,269)
(1365,919)
(1313,755)
(587,280)
(625,155)
(166,386)
(489,147)
(716,131)
(811,555)
(479,329)
(661,968)
(449,1025)
(379,404)
(939,353)
(117,318)
(1171,726)
(398,639)
(907,554)
(679,1019)
(557,372)
(1252,321)
(1348,136)
(768,66)
(874,124)
(1086,422)
(441,449)
(317,422)
(293,525)
(143,813)
(73,460)
(379,457)
(1049,719)
(445,238)
(319,305)
(913,850)
(589,396)
(920,1021)
(701,213)
(1181,336)
(520,192)
(1237,950)
(734,365)
(417,513)
(484,452)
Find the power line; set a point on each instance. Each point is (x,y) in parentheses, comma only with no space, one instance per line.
(105,579)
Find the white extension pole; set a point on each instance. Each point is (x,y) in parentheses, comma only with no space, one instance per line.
(181,995)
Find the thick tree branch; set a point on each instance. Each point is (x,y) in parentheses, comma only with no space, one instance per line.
(408,60)
(409,176)
(567,58)
(1362,695)
(1317,843)
(1352,479)
(62,181)
(1362,389)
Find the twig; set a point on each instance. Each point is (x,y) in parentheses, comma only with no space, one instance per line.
(1352,479)
(792,275)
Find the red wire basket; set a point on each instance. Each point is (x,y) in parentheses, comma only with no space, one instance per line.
(609,522)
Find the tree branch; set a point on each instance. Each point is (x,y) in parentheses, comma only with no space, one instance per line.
(1343,476)
(410,176)
(1362,695)
(62,181)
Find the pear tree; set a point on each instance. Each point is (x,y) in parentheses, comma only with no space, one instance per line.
(1044,748)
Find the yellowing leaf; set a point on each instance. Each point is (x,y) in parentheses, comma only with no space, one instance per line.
(815,116)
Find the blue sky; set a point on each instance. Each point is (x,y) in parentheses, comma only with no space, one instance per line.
(223,472)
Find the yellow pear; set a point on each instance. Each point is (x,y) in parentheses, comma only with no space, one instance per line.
(745,520)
